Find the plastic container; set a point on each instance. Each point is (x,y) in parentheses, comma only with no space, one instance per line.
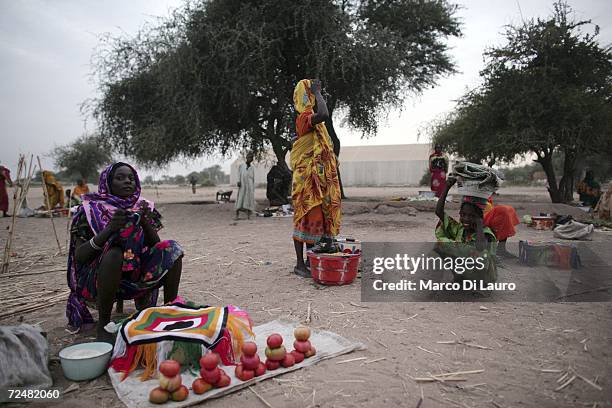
(545,223)
(85,361)
(349,245)
(330,269)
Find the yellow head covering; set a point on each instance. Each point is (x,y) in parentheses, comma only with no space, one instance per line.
(48,177)
(303,99)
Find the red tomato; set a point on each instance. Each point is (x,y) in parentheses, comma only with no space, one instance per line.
(200,386)
(288,361)
(276,354)
(247,375)
(211,376)
(249,348)
(302,346)
(301,333)
(250,362)
(272,365)
(209,361)
(158,395)
(180,394)
(169,368)
(224,381)
(238,370)
(310,352)
(170,384)
(274,340)
(299,357)
(260,370)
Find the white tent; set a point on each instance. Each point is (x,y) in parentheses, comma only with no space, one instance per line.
(384,165)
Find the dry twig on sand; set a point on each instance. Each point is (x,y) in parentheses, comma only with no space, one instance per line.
(351,360)
(266,403)
(40,304)
(474,345)
(308,312)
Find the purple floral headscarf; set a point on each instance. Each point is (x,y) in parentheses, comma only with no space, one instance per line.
(99,207)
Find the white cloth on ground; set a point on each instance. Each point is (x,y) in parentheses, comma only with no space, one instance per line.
(24,354)
(246,191)
(574,230)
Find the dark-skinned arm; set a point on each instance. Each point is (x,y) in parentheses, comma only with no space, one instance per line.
(150,235)
(481,239)
(322,113)
(85,253)
(450,181)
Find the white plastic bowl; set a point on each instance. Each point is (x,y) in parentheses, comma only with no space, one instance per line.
(85,361)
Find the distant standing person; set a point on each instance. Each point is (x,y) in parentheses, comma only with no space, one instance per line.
(246,188)
(193,180)
(5,178)
(316,190)
(438,167)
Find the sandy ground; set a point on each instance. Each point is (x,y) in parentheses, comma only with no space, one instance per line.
(249,263)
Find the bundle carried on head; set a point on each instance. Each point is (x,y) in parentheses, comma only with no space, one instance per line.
(476,180)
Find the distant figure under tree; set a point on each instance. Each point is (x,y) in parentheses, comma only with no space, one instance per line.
(279,185)
(589,190)
(194,181)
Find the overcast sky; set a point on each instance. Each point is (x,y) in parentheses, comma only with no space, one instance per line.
(46,47)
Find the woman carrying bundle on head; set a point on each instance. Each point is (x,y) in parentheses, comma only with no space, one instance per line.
(315,189)
(479,240)
(115,251)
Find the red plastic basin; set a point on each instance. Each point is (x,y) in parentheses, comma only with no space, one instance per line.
(329,269)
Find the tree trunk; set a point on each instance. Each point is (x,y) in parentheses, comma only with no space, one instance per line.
(566,185)
(329,124)
(280,149)
(545,161)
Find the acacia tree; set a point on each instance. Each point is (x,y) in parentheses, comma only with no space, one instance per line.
(84,156)
(219,75)
(547,91)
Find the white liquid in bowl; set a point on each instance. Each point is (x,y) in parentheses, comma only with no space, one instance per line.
(82,353)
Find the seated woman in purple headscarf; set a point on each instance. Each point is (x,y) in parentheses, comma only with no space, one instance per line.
(115,252)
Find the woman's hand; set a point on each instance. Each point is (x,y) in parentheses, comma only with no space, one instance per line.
(145,212)
(118,221)
(450,181)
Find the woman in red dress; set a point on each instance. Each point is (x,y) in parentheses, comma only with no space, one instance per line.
(5,178)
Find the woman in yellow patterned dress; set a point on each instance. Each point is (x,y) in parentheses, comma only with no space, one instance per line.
(315,188)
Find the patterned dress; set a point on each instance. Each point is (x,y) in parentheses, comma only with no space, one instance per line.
(454,241)
(315,188)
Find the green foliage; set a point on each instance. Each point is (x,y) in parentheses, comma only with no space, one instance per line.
(83,158)
(548,90)
(219,74)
